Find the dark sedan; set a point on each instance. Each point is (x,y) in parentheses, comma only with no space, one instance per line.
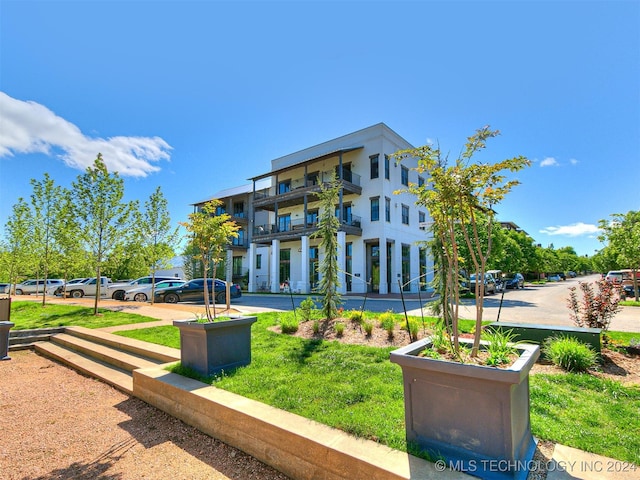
(193,291)
(514,280)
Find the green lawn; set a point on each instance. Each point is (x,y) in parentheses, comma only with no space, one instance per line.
(357,389)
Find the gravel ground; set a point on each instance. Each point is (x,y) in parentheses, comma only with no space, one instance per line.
(58,424)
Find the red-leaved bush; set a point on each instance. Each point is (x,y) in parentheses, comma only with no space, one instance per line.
(594,309)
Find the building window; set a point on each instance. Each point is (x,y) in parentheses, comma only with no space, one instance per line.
(422,219)
(284,187)
(259,261)
(348,265)
(238,209)
(375,209)
(237,267)
(239,240)
(284,223)
(374,166)
(285,265)
(312,218)
(220,210)
(387,209)
(406,268)
(387,170)
(312,179)
(422,253)
(314,275)
(420,181)
(405,214)
(404,176)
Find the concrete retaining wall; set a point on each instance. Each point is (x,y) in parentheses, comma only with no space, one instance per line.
(300,448)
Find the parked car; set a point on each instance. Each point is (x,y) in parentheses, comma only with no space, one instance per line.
(142,294)
(497,276)
(117,290)
(572,274)
(553,277)
(514,280)
(58,289)
(5,287)
(37,286)
(628,292)
(489,283)
(193,291)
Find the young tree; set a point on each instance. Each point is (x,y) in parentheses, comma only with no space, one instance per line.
(328,225)
(19,240)
(210,236)
(45,203)
(458,197)
(103,216)
(157,237)
(623,235)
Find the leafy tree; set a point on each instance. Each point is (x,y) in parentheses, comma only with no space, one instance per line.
(157,236)
(103,216)
(19,240)
(623,235)
(328,225)
(211,235)
(45,204)
(463,193)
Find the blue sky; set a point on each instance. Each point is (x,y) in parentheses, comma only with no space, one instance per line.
(198,96)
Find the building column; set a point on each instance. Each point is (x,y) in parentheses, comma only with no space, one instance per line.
(342,246)
(304,265)
(274,274)
(383,287)
(252,287)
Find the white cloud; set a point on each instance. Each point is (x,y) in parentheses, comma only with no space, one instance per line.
(28,127)
(549,162)
(573,230)
(573,161)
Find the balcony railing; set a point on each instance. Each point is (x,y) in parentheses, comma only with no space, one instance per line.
(302,227)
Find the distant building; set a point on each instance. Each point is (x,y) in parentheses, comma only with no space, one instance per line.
(512,226)
(380,235)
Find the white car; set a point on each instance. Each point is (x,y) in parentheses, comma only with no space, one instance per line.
(29,287)
(142,294)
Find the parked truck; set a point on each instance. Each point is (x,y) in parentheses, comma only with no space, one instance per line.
(89,287)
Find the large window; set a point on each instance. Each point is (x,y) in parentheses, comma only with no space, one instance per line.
(387,209)
(284,223)
(375,168)
(285,265)
(387,170)
(239,241)
(405,214)
(404,176)
(314,276)
(312,217)
(375,209)
(220,210)
(259,261)
(237,266)
(422,219)
(284,186)
(406,267)
(420,181)
(238,209)
(349,265)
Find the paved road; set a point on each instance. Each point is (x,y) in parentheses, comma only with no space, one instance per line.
(545,304)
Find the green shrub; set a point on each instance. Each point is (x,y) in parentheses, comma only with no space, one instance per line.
(368,327)
(339,327)
(569,353)
(316,327)
(414,328)
(289,324)
(356,316)
(500,347)
(306,308)
(387,322)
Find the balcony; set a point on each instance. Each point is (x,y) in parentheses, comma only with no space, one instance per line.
(297,229)
(298,189)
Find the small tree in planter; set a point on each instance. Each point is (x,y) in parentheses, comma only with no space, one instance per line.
(469,414)
(211,233)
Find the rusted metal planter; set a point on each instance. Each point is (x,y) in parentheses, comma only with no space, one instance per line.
(212,347)
(474,417)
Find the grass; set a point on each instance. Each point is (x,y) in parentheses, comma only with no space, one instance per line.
(356,389)
(27,315)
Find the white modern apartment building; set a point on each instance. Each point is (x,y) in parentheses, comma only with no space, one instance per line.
(381,237)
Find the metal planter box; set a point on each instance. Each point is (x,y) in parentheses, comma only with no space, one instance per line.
(474,417)
(212,347)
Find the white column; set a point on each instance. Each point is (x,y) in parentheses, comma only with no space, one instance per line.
(384,287)
(252,268)
(304,265)
(342,246)
(274,275)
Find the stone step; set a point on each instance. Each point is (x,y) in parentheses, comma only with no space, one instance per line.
(105,356)
(88,365)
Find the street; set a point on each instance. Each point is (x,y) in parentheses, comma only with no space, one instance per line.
(543,304)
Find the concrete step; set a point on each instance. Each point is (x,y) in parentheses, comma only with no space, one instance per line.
(105,356)
(88,365)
